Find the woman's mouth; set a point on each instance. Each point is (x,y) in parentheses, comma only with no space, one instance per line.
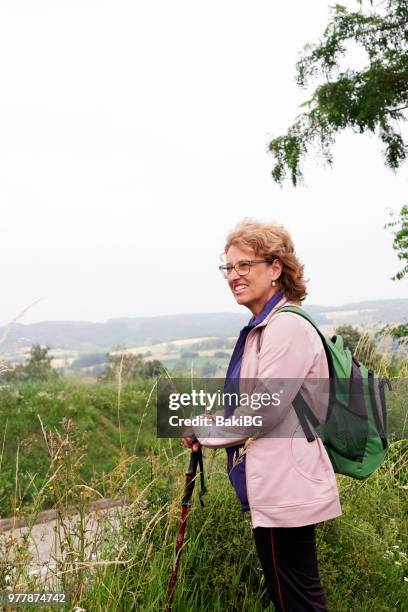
(240,288)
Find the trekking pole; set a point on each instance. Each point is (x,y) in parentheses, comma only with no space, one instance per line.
(196,459)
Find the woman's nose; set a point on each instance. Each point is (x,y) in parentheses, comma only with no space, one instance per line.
(233,275)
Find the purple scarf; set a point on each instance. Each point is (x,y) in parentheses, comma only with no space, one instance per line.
(237,473)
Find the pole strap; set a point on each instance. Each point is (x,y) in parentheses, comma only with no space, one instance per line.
(203,489)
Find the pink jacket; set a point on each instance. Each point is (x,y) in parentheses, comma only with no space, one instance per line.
(290,482)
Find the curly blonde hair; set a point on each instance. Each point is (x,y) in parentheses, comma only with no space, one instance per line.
(271,240)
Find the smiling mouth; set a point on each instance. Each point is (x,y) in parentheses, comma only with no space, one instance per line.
(240,288)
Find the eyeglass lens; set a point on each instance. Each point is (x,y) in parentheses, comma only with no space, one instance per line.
(241,268)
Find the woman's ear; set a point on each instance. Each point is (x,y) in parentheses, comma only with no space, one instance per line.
(276,269)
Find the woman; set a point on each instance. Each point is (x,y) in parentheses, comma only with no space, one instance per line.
(285,482)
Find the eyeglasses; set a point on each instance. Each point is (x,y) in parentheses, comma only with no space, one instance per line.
(242,267)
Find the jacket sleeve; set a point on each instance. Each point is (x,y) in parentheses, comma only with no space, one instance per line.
(285,358)
(211,436)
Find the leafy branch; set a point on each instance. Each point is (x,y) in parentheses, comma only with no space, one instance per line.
(372,99)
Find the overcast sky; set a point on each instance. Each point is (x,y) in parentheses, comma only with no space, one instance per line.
(133,136)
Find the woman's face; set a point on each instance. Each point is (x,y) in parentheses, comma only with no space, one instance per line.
(255,288)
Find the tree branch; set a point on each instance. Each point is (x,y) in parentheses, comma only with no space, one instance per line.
(396,110)
(392,26)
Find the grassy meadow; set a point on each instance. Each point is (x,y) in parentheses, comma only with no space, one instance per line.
(68,442)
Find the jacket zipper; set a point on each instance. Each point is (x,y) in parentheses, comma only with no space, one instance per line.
(261,325)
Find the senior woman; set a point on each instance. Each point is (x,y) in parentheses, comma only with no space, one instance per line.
(285,482)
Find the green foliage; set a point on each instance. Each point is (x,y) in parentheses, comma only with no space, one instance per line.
(400,332)
(396,332)
(87,360)
(209,369)
(188,354)
(214,343)
(37,367)
(94,410)
(130,367)
(221,355)
(361,345)
(350,334)
(373,99)
(400,243)
(361,554)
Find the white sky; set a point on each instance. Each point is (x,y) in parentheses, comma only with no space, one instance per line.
(133,136)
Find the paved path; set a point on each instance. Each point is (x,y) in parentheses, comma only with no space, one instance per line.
(47,555)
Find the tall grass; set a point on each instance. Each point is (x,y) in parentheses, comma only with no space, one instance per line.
(69,442)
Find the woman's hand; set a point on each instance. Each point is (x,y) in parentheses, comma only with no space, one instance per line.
(192,443)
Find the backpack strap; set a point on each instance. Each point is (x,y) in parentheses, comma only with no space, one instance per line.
(299,311)
(303,411)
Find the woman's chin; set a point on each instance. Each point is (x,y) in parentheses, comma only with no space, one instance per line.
(242,300)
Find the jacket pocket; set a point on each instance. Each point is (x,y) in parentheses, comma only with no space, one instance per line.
(309,458)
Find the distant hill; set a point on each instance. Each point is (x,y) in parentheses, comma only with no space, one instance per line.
(126,332)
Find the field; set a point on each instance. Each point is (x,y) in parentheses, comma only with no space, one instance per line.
(69,442)
(207,355)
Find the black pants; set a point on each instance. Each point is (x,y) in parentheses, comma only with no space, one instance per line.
(289,562)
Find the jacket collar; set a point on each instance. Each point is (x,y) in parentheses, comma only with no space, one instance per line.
(283,302)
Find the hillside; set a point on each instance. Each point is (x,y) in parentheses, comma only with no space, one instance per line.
(127,332)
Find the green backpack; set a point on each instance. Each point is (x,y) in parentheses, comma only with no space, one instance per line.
(354,433)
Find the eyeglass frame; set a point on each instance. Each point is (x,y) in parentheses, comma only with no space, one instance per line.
(225,270)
